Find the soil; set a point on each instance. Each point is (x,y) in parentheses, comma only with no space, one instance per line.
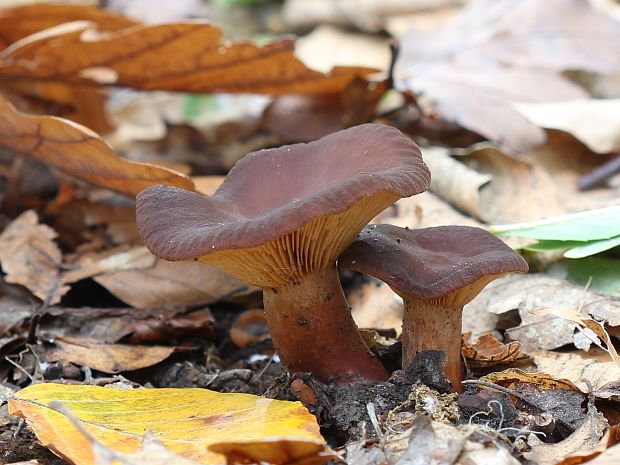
(344,412)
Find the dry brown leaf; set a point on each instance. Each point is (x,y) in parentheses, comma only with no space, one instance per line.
(303,118)
(528,292)
(589,438)
(249,328)
(30,257)
(375,305)
(108,358)
(19,22)
(596,331)
(590,371)
(78,151)
(513,376)
(595,122)
(146,281)
(82,104)
(189,57)
(129,325)
(423,211)
(454,181)
(519,189)
(494,186)
(487,351)
(494,53)
(567,159)
(434,442)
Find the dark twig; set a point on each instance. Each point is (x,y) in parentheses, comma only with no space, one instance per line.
(600,174)
(394,49)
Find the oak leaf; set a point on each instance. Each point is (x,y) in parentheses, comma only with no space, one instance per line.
(187,57)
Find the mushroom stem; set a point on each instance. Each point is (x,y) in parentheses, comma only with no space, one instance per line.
(313,331)
(431,325)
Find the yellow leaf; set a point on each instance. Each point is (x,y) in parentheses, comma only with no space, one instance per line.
(193,423)
(76,150)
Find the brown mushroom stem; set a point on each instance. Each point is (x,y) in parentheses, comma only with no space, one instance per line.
(313,330)
(428,325)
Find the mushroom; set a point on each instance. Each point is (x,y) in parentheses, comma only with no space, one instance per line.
(436,271)
(279,221)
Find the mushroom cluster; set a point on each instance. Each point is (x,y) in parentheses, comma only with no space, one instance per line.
(279,221)
(284,216)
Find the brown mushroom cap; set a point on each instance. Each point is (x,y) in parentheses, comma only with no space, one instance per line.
(284,212)
(430,263)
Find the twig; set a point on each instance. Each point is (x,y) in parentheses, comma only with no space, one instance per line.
(600,174)
(20,368)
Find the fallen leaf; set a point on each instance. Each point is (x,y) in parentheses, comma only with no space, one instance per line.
(494,53)
(487,351)
(151,452)
(142,280)
(207,185)
(568,159)
(586,439)
(129,325)
(202,62)
(249,328)
(375,305)
(303,118)
(186,421)
(610,457)
(589,371)
(424,210)
(82,104)
(365,15)
(30,257)
(454,181)
(494,186)
(585,324)
(327,47)
(427,441)
(108,358)
(513,376)
(595,122)
(528,292)
(14,313)
(19,22)
(79,152)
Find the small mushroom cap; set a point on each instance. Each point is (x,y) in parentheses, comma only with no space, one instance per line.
(307,201)
(431,263)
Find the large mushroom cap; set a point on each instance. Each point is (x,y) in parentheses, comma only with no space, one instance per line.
(283,212)
(430,263)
